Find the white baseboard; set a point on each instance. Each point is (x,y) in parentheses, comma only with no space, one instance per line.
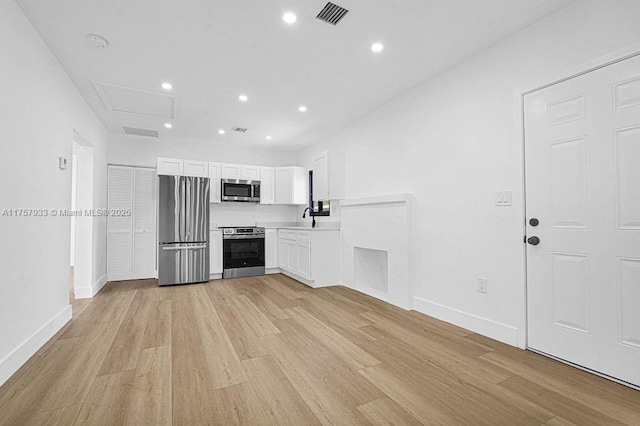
(89,292)
(272,271)
(16,358)
(495,330)
(380,295)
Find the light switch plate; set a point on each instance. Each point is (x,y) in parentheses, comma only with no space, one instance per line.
(482,285)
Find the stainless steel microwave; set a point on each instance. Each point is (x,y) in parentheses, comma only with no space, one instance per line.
(240,190)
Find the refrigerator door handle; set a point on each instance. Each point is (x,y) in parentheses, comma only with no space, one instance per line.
(184,248)
(183,211)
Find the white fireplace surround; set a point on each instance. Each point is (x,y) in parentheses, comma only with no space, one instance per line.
(371,228)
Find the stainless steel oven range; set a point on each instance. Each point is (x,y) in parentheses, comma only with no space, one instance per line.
(243,251)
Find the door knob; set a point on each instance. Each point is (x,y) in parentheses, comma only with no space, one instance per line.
(534,241)
(534,222)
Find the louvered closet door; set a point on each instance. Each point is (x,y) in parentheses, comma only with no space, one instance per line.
(119,228)
(144,224)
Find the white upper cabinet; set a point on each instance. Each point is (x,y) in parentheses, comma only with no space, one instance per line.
(231,171)
(170,166)
(214,182)
(267,185)
(177,167)
(196,168)
(291,185)
(250,172)
(329,176)
(278,185)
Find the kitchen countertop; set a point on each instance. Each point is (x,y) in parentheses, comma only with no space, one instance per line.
(307,228)
(329,226)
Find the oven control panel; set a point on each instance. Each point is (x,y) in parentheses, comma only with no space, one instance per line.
(249,230)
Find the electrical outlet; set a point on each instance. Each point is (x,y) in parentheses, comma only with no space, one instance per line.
(482,285)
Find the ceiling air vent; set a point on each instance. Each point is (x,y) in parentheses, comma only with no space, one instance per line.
(332,13)
(239,129)
(140,132)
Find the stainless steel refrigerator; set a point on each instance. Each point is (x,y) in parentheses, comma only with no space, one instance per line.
(183,230)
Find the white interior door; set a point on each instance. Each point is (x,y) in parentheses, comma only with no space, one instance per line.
(582,150)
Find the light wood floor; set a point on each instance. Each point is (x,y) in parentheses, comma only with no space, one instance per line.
(269,350)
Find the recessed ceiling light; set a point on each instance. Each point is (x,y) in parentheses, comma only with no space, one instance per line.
(302,108)
(167,86)
(269,138)
(221,131)
(377,47)
(289,17)
(168,125)
(243,98)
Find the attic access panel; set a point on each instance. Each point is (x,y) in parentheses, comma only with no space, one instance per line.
(134,101)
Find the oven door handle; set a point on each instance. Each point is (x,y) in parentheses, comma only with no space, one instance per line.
(184,248)
(243,237)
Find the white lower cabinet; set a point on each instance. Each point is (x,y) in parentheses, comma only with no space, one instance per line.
(215,252)
(270,248)
(310,256)
(304,259)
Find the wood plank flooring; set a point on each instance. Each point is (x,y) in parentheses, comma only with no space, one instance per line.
(269,350)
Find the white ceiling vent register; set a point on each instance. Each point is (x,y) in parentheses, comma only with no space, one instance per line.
(134,101)
(239,129)
(332,13)
(140,132)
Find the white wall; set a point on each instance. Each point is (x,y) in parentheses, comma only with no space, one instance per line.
(42,108)
(455,140)
(143,151)
(248,214)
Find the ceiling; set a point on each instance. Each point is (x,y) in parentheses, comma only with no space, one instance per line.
(214,50)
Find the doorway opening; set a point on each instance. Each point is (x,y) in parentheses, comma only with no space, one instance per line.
(81,226)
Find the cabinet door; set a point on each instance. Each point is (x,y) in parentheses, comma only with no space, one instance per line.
(299,186)
(196,168)
(144,223)
(231,171)
(267,185)
(270,248)
(292,261)
(215,252)
(320,178)
(250,172)
(329,176)
(214,182)
(303,250)
(284,185)
(283,254)
(170,166)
